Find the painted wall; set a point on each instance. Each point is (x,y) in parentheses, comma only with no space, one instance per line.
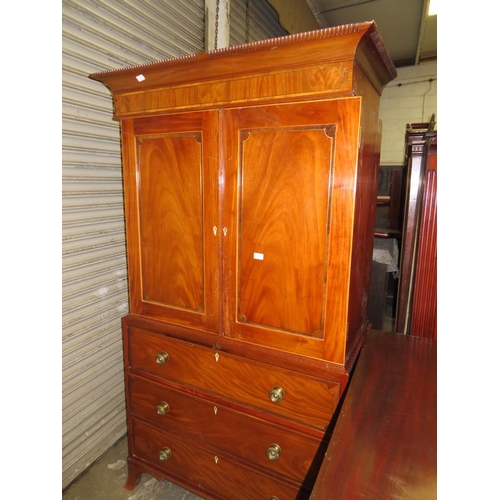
(295,15)
(410,98)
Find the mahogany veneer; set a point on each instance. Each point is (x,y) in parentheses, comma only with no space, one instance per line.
(416,312)
(250,179)
(385,441)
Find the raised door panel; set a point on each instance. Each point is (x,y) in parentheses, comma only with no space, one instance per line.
(289,204)
(170,169)
(283,226)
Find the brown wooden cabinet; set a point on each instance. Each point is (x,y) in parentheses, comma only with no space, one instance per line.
(416,312)
(250,179)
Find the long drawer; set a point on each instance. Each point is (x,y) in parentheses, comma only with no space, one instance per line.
(294,396)
(273,447)
(179,457)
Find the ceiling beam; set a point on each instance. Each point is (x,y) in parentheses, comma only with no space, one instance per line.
(423,20)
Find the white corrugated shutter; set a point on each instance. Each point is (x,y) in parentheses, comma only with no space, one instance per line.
(99,36)
(263,22)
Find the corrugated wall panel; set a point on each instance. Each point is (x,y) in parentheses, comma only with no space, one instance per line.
(97,36)
(264,22)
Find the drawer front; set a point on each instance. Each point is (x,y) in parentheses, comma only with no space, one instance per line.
(294,396)
(198,465)
(226,429)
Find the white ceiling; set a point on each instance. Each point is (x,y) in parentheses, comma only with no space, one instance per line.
(408,33)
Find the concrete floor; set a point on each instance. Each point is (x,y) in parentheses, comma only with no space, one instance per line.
(105,479)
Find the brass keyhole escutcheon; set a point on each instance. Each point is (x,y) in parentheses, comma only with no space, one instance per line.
(276,394)
(274,452)
(165,454)
(162,358)
(162,408)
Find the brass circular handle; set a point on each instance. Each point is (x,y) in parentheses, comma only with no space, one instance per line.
(276,394)
(162,358)
(162,408)
(165,454)
(273,498)
(274,452)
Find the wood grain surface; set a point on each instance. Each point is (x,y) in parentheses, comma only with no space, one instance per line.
(384,444)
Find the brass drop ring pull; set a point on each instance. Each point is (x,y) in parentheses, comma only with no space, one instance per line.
(164,454)
(276,394)
(274,452)
(162,408)
(162,358)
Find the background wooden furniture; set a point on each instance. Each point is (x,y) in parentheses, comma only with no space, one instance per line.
(416,312)
(383,283)
(391,206)
(385,441)
(250,179)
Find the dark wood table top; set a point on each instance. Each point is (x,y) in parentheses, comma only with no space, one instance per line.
(384,444)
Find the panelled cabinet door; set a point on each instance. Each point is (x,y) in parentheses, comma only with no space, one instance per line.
(171,197)
(288,206)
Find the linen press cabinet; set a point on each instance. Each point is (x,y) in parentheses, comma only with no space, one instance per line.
(250,178)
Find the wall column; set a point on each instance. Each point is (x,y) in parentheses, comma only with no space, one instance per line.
(216,22)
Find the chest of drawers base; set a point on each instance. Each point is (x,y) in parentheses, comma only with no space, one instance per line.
(212,421)
(203,471)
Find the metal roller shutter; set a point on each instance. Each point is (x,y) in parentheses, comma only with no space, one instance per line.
(97,36)
(264,22)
